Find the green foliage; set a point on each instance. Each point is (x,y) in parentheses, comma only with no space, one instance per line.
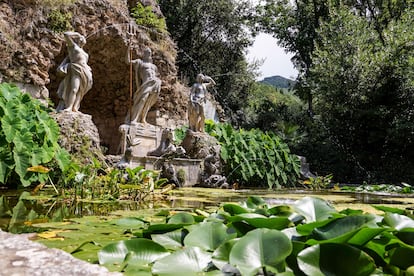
(212,37)
(93,182)
(59,21)
(144,16)
(28,138)
(364,89)
(279,82)
(318,182)
(239,238)
(255,158)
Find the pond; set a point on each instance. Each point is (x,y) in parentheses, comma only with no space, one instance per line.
(19,210)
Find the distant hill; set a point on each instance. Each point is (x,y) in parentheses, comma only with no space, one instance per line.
(279,82)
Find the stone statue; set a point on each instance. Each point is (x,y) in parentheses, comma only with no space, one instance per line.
(196,104)
(148,88)
(78,75)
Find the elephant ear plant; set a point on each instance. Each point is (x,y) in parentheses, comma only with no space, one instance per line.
(28,139)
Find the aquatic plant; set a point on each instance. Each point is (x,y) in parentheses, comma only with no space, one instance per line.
(308,237)
(255,158)
(28,140)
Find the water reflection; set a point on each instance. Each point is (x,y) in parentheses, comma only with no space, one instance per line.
(19,210)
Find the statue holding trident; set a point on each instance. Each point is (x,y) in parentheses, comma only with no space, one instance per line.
(198,92)
(78,75)
(147,82)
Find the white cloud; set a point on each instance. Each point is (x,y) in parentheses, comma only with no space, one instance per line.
(276,61)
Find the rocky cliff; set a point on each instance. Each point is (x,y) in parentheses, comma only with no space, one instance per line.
(32,46)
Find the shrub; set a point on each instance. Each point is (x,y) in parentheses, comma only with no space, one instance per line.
(28,139)
(59,22)
(255,158)
(144,16)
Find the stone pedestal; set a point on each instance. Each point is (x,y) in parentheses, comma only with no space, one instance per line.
(139,139)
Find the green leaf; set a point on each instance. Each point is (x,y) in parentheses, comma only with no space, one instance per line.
(208,235)
(260,248)
(234,209)
(397,221)
(402,257)
(343,226)
(335,259)
(221,256)
(142,251)
(260,221)
(189,261)
(181,218)
(314,209)
(172,240)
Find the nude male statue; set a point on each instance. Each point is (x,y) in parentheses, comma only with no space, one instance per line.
(148,88)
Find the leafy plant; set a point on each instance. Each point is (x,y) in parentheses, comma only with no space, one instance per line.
(318,182)
(255,158)
(308,237)
(28,138)
(59,21)
(145,16)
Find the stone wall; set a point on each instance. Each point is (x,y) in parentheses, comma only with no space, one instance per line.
(30,53)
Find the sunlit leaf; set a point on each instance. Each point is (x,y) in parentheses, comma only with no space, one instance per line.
(143,251)
(208,235)
(260,248)
(335,259)
(314,209)
(189,261)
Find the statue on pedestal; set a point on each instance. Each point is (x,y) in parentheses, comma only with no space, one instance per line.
(148,87)
(198,92)
(78,75)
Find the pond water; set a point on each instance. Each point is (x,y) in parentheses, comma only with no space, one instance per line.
(18,211)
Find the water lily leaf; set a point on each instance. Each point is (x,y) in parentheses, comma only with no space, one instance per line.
(235,209)
(314,209)
(255,202)
(221,256)
(343,226)
(260,248)
(389,209)
(130,222)
(406,236)
(189,261)
(402,257)
(335,259)
(260,221)
(181,218)
(172,240)
(209,235)
(143,251)
(397,221)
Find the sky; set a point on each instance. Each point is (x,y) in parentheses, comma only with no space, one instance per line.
(276,61)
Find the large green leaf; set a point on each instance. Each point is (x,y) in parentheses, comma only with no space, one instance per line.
(260,221)
(171,240)
(335,259)
(141,251)
(260,248)
(208,235)
(22,161)
(181,218)
(343,226)
(189,261)
(314,209)
(397,221)
(221,256)
(402,257)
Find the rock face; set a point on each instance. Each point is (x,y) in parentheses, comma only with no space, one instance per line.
(32,46)
(79,136)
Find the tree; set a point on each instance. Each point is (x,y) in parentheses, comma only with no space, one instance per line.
(364,89)
(212,37)
(295,25)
